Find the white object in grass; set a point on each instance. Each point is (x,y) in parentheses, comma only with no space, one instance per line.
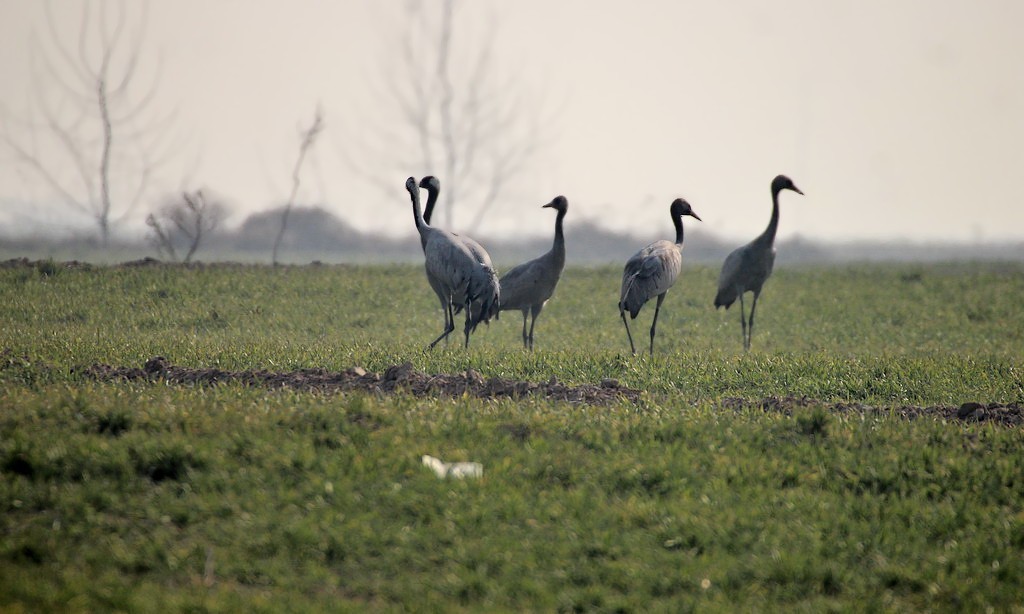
(453,470)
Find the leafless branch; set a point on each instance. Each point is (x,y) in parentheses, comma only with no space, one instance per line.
(46,175)
(160,239)
(56,38)
(308,138)
(91,117)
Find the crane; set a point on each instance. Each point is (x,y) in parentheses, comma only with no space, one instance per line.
(454,273)
(528,286)
(433,187)
(652,271)
(749,266)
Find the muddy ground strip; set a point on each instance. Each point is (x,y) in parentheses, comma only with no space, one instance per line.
(395,378)
(405,378)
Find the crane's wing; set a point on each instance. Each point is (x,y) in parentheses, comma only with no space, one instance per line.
(450,263)
(728,279)
(649,273)
(517,285)
(479,253)
(531,283)
(745,269)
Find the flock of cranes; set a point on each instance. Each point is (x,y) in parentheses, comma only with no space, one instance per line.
(460,272)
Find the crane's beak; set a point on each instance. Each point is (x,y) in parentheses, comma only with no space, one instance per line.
(550,205)
(797,190)
(696,216)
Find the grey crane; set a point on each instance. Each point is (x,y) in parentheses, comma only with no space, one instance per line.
(454,273)
(652,271)
(528,286)
(433,187)
(749,266)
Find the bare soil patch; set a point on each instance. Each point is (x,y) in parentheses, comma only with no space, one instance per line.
(1004,414)
(395,378)
(405,378)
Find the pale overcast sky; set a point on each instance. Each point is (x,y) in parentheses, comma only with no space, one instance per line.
(898,119)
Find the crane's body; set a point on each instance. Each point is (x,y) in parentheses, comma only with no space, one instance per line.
(454,273)
(650,273)
(745,270)
(528,286)
(748,267)
(433,187)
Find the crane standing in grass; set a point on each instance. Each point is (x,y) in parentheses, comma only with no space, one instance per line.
(748,267)
(528,286)
(433,187)
(454,273)
(652,271)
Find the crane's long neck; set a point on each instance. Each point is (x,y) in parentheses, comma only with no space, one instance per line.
(431,201)
(558,247)
(421,225)
(768,236)
(678,221)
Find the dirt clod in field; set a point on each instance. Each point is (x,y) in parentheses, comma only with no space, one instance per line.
(1004,414)
(403,377)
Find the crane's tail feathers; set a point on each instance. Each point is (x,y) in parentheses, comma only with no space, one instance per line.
(633,313)
(725,298)
(631,299)
(484,294)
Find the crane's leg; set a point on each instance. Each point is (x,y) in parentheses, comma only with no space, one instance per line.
(534,312)
(654,324)
(526,344)
(750,325)
(449,324)
(449,321)
(743,322)
(631,346)
(469,321)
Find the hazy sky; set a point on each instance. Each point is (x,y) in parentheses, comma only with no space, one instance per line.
(898,119)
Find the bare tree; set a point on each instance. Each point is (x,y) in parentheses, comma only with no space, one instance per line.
(457,117)
(97,139)
(308,138)
(188,221)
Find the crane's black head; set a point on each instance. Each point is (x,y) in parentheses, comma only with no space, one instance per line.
(558,203)
(430,183)
(680,208)
(410,184)
(782,182)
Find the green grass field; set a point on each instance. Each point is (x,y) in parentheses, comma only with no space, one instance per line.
(142,496)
